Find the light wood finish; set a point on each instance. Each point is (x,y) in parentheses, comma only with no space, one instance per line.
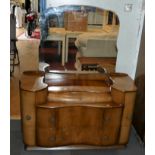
(14,98)
(56,112)
(32,92)
(127,117)
(83,96)
(78,89)
(28,117)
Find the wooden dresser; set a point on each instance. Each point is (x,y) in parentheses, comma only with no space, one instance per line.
(72,108)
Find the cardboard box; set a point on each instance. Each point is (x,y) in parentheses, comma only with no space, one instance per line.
(75,21)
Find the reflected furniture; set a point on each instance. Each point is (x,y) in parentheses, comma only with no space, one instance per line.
(92,63)
(94,40)
(99,44)
(58,34)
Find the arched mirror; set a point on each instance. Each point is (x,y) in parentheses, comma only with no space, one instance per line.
(78,38)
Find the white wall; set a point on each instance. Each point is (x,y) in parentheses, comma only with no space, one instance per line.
(131,24)
(34,4)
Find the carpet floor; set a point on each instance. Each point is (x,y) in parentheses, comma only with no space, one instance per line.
(17,147)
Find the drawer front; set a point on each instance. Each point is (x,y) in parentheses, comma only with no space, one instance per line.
(46,118)
(78,125)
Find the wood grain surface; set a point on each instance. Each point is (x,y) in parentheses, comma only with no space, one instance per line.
(61,108)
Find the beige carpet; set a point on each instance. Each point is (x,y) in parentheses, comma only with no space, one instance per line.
(29,60)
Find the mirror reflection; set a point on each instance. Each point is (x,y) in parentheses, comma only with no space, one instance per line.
(78,38)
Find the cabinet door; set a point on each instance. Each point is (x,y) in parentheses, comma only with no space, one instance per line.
(78,125)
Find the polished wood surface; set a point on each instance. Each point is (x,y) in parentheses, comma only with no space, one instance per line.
(77,125)
(80,97)
(33,81)
(32,91)
(74,108)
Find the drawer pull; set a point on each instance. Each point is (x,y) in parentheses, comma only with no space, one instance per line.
(52,121)
(28,117)
(106,119)
(52,139)
(105,138)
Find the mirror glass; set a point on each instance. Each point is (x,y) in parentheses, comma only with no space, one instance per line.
(78,38)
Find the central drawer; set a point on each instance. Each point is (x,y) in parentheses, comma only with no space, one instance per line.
(77,125)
